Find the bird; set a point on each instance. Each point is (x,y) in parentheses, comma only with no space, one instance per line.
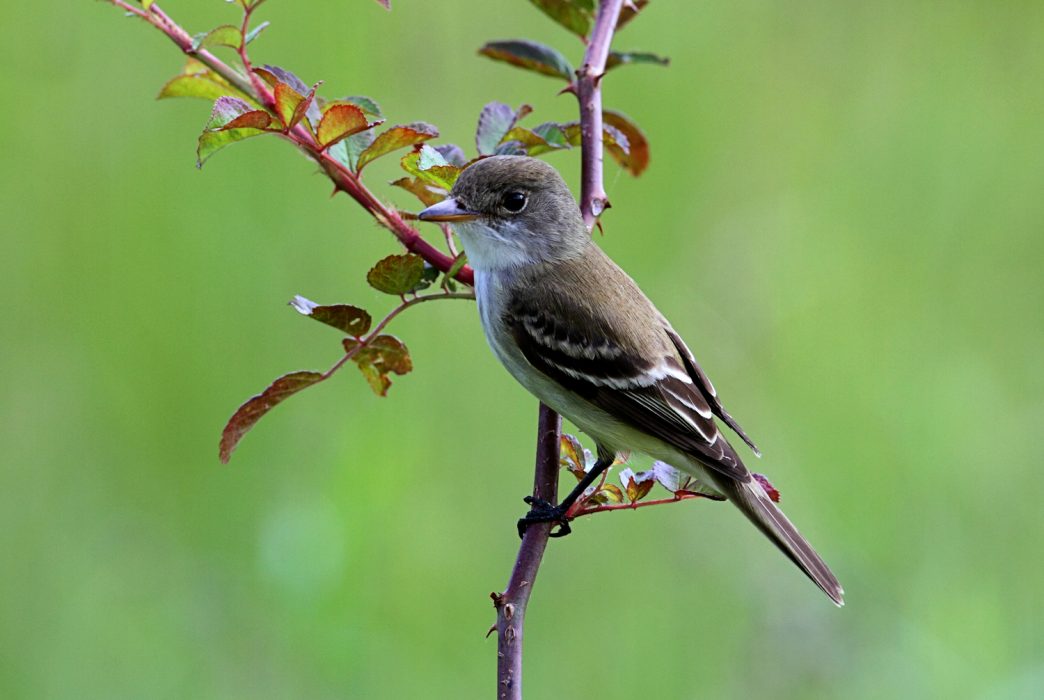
(576,331)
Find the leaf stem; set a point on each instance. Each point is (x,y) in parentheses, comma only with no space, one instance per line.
(511,605)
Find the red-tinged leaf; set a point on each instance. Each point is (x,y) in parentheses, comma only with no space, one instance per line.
(291,106)
(530,55)
(340,121)
(382,356)
(495,121)
(574,15)
(386,4)
(215,136)
(608,493)
(395,138)
(637,485)
(273,75)
(344,317)
(427,194)
(636,158)
(256,119)
(571,456)
(251,412)
(623,58)
(225,35)
(773,494)
(397,274)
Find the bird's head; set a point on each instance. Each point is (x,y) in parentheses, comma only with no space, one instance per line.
(511,211)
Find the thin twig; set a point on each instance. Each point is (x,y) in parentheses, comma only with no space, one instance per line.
(512,603)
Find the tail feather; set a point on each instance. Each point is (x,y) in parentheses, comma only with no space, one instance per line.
(752,500)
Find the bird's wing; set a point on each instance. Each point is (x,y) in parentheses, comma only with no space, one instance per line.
(703,383)
(645,385)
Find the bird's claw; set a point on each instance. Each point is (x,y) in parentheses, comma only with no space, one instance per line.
(544,512)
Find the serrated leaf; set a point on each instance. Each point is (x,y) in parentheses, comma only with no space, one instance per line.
(225,35)
(574,15)
(396,274)
(366,104)
(255,32)
(430,167)
(571,456)
(382,356)
(247,415)
(340,121)
(533,143)
(638,485)
(348,150)
(453,154)
(622,58)
(395,138)
(290,105)
(495,121)
(426,193)
(255,119)
(216,136)
(273,75)
(629,12)
(344,317)
(196,80)
(608,493)
(635,158)
(530,55)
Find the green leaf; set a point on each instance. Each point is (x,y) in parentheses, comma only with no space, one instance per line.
(255,32)
(430,167)
(225,35)
(339,122)
(395,138)
(366,104)
(256,407)
(574,15)
(622,58)
(495,121)
(453,154)
(216,136)
(530,55)
(349,150)
(344,317)
(196,80)
(396,274)
(636,157)
(533,143)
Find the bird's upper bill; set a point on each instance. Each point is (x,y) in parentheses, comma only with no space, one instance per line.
(447,210)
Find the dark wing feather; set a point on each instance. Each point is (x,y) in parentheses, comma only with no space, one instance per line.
(707,389)
(653,394)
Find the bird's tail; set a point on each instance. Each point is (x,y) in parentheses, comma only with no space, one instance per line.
(751,498)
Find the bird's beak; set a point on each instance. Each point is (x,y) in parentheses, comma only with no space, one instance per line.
(447,210)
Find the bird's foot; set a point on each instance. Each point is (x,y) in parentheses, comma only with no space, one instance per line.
(544,512)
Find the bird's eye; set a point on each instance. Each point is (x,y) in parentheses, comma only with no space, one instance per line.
(514,202)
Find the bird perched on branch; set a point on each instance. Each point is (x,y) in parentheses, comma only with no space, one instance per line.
(577,332)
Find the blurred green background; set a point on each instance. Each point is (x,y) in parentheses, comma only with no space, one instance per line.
(843,216)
